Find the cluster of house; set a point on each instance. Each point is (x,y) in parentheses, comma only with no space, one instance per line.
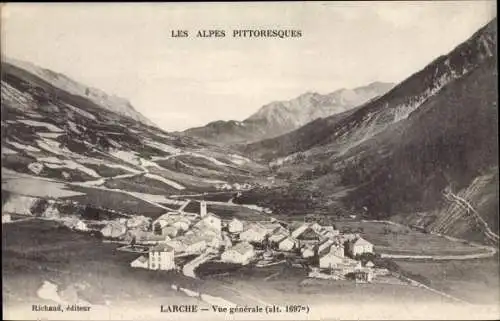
(176,234)
(324,248)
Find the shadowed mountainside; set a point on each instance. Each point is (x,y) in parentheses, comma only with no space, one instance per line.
(396,156)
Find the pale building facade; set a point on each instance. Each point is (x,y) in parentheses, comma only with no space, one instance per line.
(141,262)
(360,246)
(255,234)
(287,244)
(241,253)
(235,226)
(212,221)
(161,257)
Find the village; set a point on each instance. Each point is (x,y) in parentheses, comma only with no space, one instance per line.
(201,237)
(182,241)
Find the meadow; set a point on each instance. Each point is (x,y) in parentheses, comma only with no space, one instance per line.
(394,239)
(475,281)
(36,251)
(117,201)
(282,284)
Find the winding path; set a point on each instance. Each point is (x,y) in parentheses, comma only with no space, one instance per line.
(490,253)
(188,269)
(487,231)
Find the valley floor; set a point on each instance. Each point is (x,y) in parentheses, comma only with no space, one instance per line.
(104,278)
(35,251)
(475,281)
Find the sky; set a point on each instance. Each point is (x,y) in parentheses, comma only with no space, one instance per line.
(178,83)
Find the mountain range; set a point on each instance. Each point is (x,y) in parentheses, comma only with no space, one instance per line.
(112,103)
(423,152)
(280,117)
(60,141)
(407,154)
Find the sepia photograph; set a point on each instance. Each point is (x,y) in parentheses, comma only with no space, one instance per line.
(250,161)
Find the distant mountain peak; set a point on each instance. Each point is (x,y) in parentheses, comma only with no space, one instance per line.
(308,94)
(279,117)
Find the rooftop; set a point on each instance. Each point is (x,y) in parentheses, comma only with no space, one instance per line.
(278,236)
(299,230)
(212,215)
(161,248)
(256,228)
(361,241)
(141,259)
(308,234)
(242,247)
(287,238)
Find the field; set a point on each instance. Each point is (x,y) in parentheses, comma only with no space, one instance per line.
(35,251)
(287,201)
(20,164)
(393,239)
(38,188)
(192,183)
(118,201)
(203,168)
(475,281)
(201,162)
(215,197)
(107,171)
(140,184)
(282,284)
(192,207)
(230,211)
(211,269)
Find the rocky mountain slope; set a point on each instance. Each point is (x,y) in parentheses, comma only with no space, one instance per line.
(60,144)
(281,117)
(402,154)
(112,103)
(350,128)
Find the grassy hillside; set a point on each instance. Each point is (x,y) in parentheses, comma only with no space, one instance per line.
(52,134)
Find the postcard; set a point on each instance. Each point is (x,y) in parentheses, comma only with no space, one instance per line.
(250,161)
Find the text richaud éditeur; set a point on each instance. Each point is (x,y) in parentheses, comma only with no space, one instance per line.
(238,33)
